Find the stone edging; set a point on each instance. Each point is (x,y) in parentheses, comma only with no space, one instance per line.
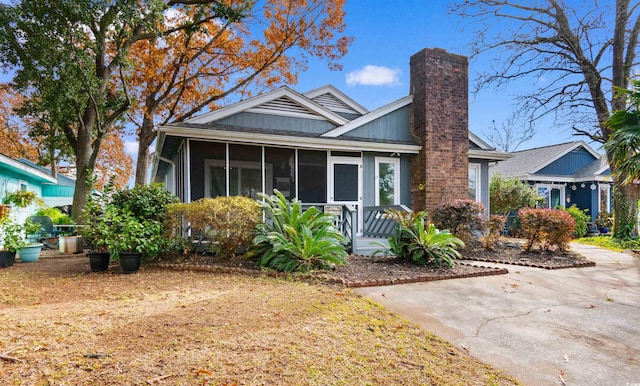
(490,271)
(583,264)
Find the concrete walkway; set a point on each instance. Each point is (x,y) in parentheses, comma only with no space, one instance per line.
(580,326)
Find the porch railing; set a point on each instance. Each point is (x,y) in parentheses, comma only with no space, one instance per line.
(346,222)
(376,224)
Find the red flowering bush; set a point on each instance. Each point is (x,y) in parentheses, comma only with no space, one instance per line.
(546,228)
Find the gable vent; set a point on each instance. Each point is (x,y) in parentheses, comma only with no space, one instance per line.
(334,104)
(284,106)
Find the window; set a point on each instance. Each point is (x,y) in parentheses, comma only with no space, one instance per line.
(23,185)
(552,196)
(474,182)
(604,197)
(387,177)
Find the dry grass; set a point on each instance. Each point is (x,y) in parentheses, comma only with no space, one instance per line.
(166,327)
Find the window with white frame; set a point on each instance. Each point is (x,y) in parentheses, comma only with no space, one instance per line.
(387,176)
(552,195)
(604,197)
(474,182)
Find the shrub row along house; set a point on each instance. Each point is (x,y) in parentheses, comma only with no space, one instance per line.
(323,148)
(566,174)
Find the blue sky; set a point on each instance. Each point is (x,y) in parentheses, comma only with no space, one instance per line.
(376,69)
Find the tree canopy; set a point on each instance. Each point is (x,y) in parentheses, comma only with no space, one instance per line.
(73,60)
(574,54)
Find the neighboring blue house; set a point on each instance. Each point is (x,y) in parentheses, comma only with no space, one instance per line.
(322,147)
(564,174)
(26,175)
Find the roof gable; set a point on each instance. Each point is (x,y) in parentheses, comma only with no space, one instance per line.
(476,142)
(335,100)
(568,159)
(563,151)
(373,115)
(282,101)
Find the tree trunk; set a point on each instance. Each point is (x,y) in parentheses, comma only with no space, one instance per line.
(625,209)
(146,136)
(83,168)
(85,151)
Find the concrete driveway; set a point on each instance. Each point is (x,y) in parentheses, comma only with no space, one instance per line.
(580,326)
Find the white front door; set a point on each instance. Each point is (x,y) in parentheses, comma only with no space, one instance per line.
(345,184)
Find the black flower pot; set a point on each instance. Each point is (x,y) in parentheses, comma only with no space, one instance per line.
(7,259)
(99,261)
(130,261)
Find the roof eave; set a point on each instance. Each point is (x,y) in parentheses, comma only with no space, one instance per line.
(288,140)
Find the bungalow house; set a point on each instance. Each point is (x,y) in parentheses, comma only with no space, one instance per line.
(26,175)
(566,174)
(324,148)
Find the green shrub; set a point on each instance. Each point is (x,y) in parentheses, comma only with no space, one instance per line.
(420,245)
(546,228)
(129,233)
(145,201)
(463,218)
(494,226)
(56,215)
(581,219)
(509,194)
(293,240)
(229,222)
(138,218)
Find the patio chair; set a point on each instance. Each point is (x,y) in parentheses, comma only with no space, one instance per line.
(47,234)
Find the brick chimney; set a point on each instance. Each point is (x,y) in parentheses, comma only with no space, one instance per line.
(439,122)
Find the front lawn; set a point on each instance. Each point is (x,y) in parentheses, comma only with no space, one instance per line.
(68,326)
(610,243)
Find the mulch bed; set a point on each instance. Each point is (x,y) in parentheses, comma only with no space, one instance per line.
(512,253)
(362,271)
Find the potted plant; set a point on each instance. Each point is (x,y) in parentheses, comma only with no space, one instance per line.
(96,229)
(604,221)
(21,198)
(4,211)
(132,238)
(11,240)
(30,252)
(95,236)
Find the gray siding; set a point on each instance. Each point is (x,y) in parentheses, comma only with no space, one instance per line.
(368,179)
(273,122)
(569,164)
(393,126)
(484,181)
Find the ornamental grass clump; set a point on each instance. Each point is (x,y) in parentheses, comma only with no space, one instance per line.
(291,239)
(418,244)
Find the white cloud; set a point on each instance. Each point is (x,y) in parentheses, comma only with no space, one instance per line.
(371,75)
(131,147)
